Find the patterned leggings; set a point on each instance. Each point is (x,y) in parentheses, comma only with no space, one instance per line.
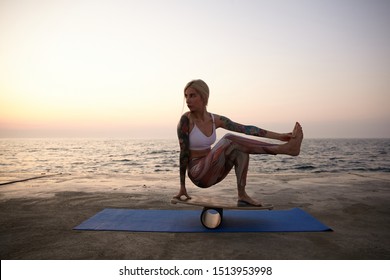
(213,168)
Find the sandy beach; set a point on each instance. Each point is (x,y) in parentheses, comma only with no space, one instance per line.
(38,216)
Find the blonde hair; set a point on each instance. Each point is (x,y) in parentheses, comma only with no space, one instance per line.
(201,87)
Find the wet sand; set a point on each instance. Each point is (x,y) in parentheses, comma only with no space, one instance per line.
(37,217)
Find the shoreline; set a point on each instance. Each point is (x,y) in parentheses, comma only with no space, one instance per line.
(38,217)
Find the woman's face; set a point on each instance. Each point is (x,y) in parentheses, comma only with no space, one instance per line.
(193,99)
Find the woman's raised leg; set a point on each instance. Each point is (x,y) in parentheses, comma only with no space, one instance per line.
(240,148)
(252,146)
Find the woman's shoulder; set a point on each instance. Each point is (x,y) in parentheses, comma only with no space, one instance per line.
(217,118)
(221,121)
(186,114)
(185,119)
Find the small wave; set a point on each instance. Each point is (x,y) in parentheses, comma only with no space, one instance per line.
(162,170)
(123,160)
(127,162)
(161,152)
(379,169)
(132,164)
(305,167)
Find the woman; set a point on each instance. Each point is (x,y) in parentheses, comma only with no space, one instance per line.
(208,166)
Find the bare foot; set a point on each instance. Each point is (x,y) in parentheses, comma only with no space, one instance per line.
(245,199)
(297,138)
(293,147)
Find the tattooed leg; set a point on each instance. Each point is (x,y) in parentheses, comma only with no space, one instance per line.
(251,146)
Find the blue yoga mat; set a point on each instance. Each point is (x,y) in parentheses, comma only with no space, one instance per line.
(137,220)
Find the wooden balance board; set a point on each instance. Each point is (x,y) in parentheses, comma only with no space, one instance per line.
(212,214)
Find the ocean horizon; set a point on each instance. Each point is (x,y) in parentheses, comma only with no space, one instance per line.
(160,156)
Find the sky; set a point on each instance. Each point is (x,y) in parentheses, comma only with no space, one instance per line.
(117,68)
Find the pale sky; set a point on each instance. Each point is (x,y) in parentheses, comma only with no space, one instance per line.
(117,68)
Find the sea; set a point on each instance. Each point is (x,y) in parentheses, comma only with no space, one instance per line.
(151,156)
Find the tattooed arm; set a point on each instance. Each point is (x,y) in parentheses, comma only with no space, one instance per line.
(183,135)
(228,124)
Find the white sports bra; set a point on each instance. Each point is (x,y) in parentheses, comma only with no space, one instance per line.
(199,141)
